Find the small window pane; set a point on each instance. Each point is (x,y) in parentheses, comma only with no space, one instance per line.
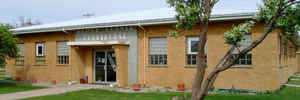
(40,49)
(194,46)
(244,60)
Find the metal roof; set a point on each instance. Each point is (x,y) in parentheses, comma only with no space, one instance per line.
(145,17)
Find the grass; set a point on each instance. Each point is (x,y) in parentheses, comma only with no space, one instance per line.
(10,87)
(287,93)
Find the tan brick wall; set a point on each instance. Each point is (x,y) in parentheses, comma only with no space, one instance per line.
(121,52)
(262,75)
(298,62)
(47,72)
(287,61)
(81,60)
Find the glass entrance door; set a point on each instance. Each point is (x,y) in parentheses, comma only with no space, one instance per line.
(105,67)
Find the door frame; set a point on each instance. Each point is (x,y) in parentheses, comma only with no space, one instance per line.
(94,68)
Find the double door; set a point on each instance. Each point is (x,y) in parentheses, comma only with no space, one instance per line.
(105,67)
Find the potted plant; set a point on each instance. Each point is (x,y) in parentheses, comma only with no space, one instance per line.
(136,86)
(180,87)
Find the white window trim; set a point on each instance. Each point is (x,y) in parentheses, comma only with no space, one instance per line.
(189,43)
(37,49)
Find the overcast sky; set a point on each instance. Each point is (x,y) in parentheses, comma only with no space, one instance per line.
(49,11)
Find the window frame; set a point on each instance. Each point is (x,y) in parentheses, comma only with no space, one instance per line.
(245,58)
(192,56)
(40,59)
(43,45)
(164,56)
(189,44)
(20,58)
(235,52)
(62,59)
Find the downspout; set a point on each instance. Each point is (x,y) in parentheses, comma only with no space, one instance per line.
(70,57)
(144,61)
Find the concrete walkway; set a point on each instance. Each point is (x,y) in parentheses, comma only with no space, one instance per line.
(43,92)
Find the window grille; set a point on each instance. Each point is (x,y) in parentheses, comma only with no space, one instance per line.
(244,60)
(158,51)
(21,53)
(62,53)
(192,51)
(247,58)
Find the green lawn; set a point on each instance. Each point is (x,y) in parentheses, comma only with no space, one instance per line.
(287,93)
(10,87)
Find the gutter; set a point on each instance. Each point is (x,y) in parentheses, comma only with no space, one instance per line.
(226,17)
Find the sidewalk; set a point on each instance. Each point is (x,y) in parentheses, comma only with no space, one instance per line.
(42,92)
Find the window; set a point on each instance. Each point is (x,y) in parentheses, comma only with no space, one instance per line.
(192,50)
(21,53)
(62,51)
(247,58)
(158,51)
(40,53)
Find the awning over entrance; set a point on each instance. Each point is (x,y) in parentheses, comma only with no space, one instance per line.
(97,43)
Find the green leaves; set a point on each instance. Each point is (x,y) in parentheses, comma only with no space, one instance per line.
(8,44)
(189,13)
(236,35)
(289,18)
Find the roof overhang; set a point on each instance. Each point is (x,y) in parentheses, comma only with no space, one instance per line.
(97,43)
(220,17)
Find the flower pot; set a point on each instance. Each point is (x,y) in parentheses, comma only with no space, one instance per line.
(33,81)
(18,79)
(180,87)
(53,82)
(136,86)
(82,81)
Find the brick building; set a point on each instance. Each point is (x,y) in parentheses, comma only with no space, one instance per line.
(135,47)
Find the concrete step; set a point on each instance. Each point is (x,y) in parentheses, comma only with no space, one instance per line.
(292,85)
(294,79)
(296,76)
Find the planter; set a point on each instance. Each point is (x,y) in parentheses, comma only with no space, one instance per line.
(53,82)
(33,81)
(136,86)
(82,81)
(18,79)
(180,87)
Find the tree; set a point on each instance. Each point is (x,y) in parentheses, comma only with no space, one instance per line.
(276,14)
(8,44)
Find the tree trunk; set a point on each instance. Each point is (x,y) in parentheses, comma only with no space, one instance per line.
(202,64)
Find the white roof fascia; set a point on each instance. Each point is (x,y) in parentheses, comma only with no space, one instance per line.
(219,17)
